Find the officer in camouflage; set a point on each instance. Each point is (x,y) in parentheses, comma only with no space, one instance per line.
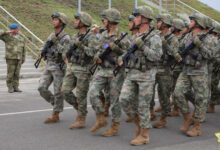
(104,75)
(78,75)
(140,77)
(53,71)
(178,26)
(194,76)
(164,74)
(14,55)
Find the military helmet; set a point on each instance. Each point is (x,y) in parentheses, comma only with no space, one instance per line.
(63,18)
(166,18)
(103,15)
(216,26)
(131,18)
(186,24)
(144,11)
(113,15)
(85,18)
(208,22)
(198,18)
(178,24)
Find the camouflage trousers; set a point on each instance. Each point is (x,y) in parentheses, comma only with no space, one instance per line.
(164,81)
(135,100)
(215,90)
(13,72)
(80,81)
(105,96)
(56,99)
(199,84)
(114,85)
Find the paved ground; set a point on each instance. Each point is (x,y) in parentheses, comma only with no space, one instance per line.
(22,128)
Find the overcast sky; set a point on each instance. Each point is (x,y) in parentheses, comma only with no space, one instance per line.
(212,3)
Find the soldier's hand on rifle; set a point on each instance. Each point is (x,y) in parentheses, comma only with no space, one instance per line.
(180,59)
(65,60)
(197,42)
(164,42)
(121,63)
(97,59)
(139,43)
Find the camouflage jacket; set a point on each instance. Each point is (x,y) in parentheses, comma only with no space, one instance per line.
(199,65)
(86,53)
(179,66)
(106,68)
(148,57)
(170,53)
(15,46)
(57,54)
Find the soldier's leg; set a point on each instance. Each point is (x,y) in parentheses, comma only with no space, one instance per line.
(215,93)
(144,99)
(82,87)
(98,84)
(183,85)
(69,83)
(10,74)
(17,76)
(175,111)
(127,96)
(152,104)
(45,81)
(57,84)
(164,92)
(200,84)
(107,100)
(115,90)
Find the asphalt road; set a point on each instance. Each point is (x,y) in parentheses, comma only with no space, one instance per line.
(22,128)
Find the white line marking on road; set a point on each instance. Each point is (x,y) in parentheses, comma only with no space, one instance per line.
(32,111)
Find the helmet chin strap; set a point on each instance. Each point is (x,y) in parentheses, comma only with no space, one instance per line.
(138,26)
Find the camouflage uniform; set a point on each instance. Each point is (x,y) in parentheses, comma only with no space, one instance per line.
(104,77)
(53,72)
(194,75)
(15,55)
(140,80)
(78,75)
(215,90)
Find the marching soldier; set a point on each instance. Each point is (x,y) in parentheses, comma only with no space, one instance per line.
(178,26)
(194,76)
(57,43)
(78,75)
(140,77)
(164,74)
(14,55)
(104,75)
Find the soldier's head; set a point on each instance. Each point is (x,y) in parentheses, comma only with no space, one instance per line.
(164,21)
(103,16)
(131,25)
(216,27)
(196,21)
(178,25)
(14,28)
(208,22)
(186,28)
(59,19)
(143,15)
(112,18)
(82,19)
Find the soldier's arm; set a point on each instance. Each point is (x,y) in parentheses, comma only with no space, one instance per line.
(154,52)
(64,46)
(206,48)
(173,48)
(91,49)
(24,53)
(3,35)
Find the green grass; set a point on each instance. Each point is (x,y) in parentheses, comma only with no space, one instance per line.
(205,9)
(35,14)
